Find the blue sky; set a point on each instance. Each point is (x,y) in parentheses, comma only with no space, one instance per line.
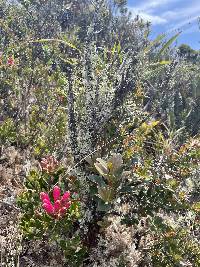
(171,16)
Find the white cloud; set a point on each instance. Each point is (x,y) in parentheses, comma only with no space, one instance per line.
(152,4)
(185,22)
(147,10)
(183,17)
(154,19)
(151,10)
(185,12)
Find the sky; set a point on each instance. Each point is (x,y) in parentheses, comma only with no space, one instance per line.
(171,16)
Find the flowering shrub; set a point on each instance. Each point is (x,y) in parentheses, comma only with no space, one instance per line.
(112,170)
(147,192)
(49,164)
(60,206)
(11,61)
(51,215)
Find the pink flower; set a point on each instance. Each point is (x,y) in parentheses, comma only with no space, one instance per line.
(44,196)
(10,61)
(48,207)
(61,204)
(56,193)
(57,206)
(65,197)
(49,164)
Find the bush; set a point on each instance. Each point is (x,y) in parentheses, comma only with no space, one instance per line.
(109,121)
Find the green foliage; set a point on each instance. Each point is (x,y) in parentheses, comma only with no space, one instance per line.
(167,44)
(80,80)
(36,224)
(7,131)
(174,248)
(188,53)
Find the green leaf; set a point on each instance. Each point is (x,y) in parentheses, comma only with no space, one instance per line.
(119,48)
(102,206)
(101,167)
(71,61)
(107,194)
(63,244)
(167,44)
(55,40)
(128,189)
(163,62)
(97,179)
(154,42)
(115,162)
(113,49)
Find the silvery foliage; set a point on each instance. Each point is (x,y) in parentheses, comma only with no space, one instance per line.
(102,84)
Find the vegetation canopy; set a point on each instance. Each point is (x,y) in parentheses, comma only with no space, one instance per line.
(99,138)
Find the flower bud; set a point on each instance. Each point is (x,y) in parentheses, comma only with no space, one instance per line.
(57,206)
(44,196)
(65,197)
(56,193)
(48,207)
